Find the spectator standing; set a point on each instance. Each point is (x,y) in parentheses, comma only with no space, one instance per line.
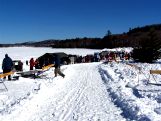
(37,64)
(32,63)
(27,62)
(7,65)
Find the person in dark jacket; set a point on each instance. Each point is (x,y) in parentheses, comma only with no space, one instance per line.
(7,65)
(57,67)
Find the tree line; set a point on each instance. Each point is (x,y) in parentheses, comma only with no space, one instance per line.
(133,38)
(145,40)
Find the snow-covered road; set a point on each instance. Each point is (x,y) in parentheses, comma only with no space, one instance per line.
(89,92)
(81,96)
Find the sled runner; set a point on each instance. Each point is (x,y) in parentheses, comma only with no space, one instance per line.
(47,67)
(35,73)
(27,73)
(41,71)
(2,75)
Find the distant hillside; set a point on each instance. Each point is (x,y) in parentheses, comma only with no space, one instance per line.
(132,38)
(44,43)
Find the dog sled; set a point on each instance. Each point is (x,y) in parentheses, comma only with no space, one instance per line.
(35,73)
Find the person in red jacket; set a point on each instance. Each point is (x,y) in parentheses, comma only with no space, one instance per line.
(32,63)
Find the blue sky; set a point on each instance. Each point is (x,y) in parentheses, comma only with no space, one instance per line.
(36,20)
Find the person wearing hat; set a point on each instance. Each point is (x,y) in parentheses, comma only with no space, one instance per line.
(57,67)
(7,65)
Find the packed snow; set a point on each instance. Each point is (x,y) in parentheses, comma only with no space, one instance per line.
(98,91)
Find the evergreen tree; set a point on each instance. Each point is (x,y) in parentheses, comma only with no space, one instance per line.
(108,33)
(149,48)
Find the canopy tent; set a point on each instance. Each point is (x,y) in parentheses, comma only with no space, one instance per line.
(48,58)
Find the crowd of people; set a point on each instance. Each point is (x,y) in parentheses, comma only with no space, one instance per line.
(102,56)
(7,64)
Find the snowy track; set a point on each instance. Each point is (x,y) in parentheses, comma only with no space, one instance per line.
(80,96)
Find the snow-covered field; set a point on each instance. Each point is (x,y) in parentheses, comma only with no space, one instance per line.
(89,92)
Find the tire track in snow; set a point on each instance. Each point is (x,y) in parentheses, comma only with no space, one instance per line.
(73,98)
(88,101)
(72,103)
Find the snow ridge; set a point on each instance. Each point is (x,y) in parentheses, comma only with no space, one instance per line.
(129,111)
